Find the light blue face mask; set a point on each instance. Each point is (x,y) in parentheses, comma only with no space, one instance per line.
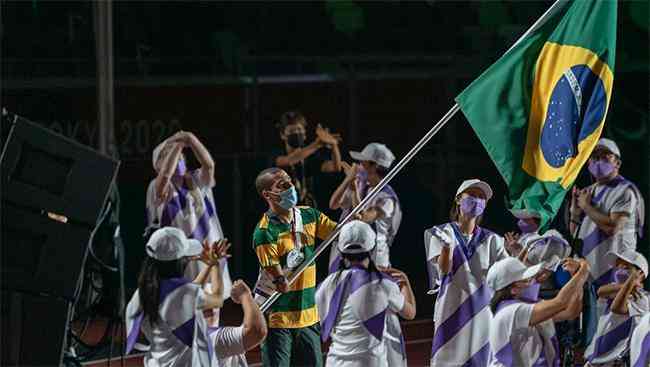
(288,198)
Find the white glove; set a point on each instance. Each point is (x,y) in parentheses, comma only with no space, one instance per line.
(442,236)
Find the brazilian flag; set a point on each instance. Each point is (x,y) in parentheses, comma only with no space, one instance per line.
(540,109)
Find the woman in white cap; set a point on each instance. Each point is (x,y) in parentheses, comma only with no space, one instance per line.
(354,302)
(168,308)
(181,198)
(522,332)
(625,302)
(640,343)
(384,212)
(460,253)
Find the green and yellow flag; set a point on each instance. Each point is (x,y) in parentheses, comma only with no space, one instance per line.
(540,109)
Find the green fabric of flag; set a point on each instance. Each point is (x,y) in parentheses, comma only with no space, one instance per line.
(539,110)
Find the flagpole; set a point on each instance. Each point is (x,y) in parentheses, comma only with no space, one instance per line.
(557,5)
(393,172)
(397,168)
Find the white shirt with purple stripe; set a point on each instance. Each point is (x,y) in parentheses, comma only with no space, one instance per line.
(462,313)
(198,220)
(514,343)
(385,227)
(640,343)
(182,336)
(354,306)
(617,196)
(612,339)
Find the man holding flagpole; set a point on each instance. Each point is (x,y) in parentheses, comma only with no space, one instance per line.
(283,239)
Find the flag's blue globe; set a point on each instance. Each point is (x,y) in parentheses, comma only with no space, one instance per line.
(575,110)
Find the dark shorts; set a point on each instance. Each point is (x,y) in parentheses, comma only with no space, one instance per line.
(293,347)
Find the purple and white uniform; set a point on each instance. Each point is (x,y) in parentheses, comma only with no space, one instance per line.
(182,336)
(354,306)
(640,343)
(461,312)
(612,339)
(617,196)
(194,212)
(514,343)
(385,227)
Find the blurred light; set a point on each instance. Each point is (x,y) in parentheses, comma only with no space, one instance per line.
(347,16)
(57,217)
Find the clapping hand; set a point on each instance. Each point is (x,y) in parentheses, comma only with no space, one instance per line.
(350,170)
(239,291)
(584,198)
(575,265)
(324,136)
(213,253)
(512,243)
(571,265)
(181,137)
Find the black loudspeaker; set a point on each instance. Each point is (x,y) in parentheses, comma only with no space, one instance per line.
(41,255)
(48,172)
(53,191)
(33,329)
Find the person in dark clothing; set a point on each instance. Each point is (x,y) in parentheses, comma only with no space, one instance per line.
(304,162)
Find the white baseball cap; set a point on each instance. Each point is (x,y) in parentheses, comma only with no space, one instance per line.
(356,237)
(510,270)
(542,248)
(610,145)
(375,152)
(169,243)
(483,186)
(633,257)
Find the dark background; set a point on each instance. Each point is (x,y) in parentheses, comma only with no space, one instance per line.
(372,71)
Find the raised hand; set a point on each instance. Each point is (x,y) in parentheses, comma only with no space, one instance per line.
(512,242)
(399,275)
(571,265)
(208,256)
(239,291)
(220,248)
(443,237)
(574,209)
(181,137)
(325,136)
(350,170)
(584,198)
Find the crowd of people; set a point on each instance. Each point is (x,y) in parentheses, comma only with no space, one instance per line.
(499,300)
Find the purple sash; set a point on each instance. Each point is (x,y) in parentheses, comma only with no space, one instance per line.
(354,280)
(185,332)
